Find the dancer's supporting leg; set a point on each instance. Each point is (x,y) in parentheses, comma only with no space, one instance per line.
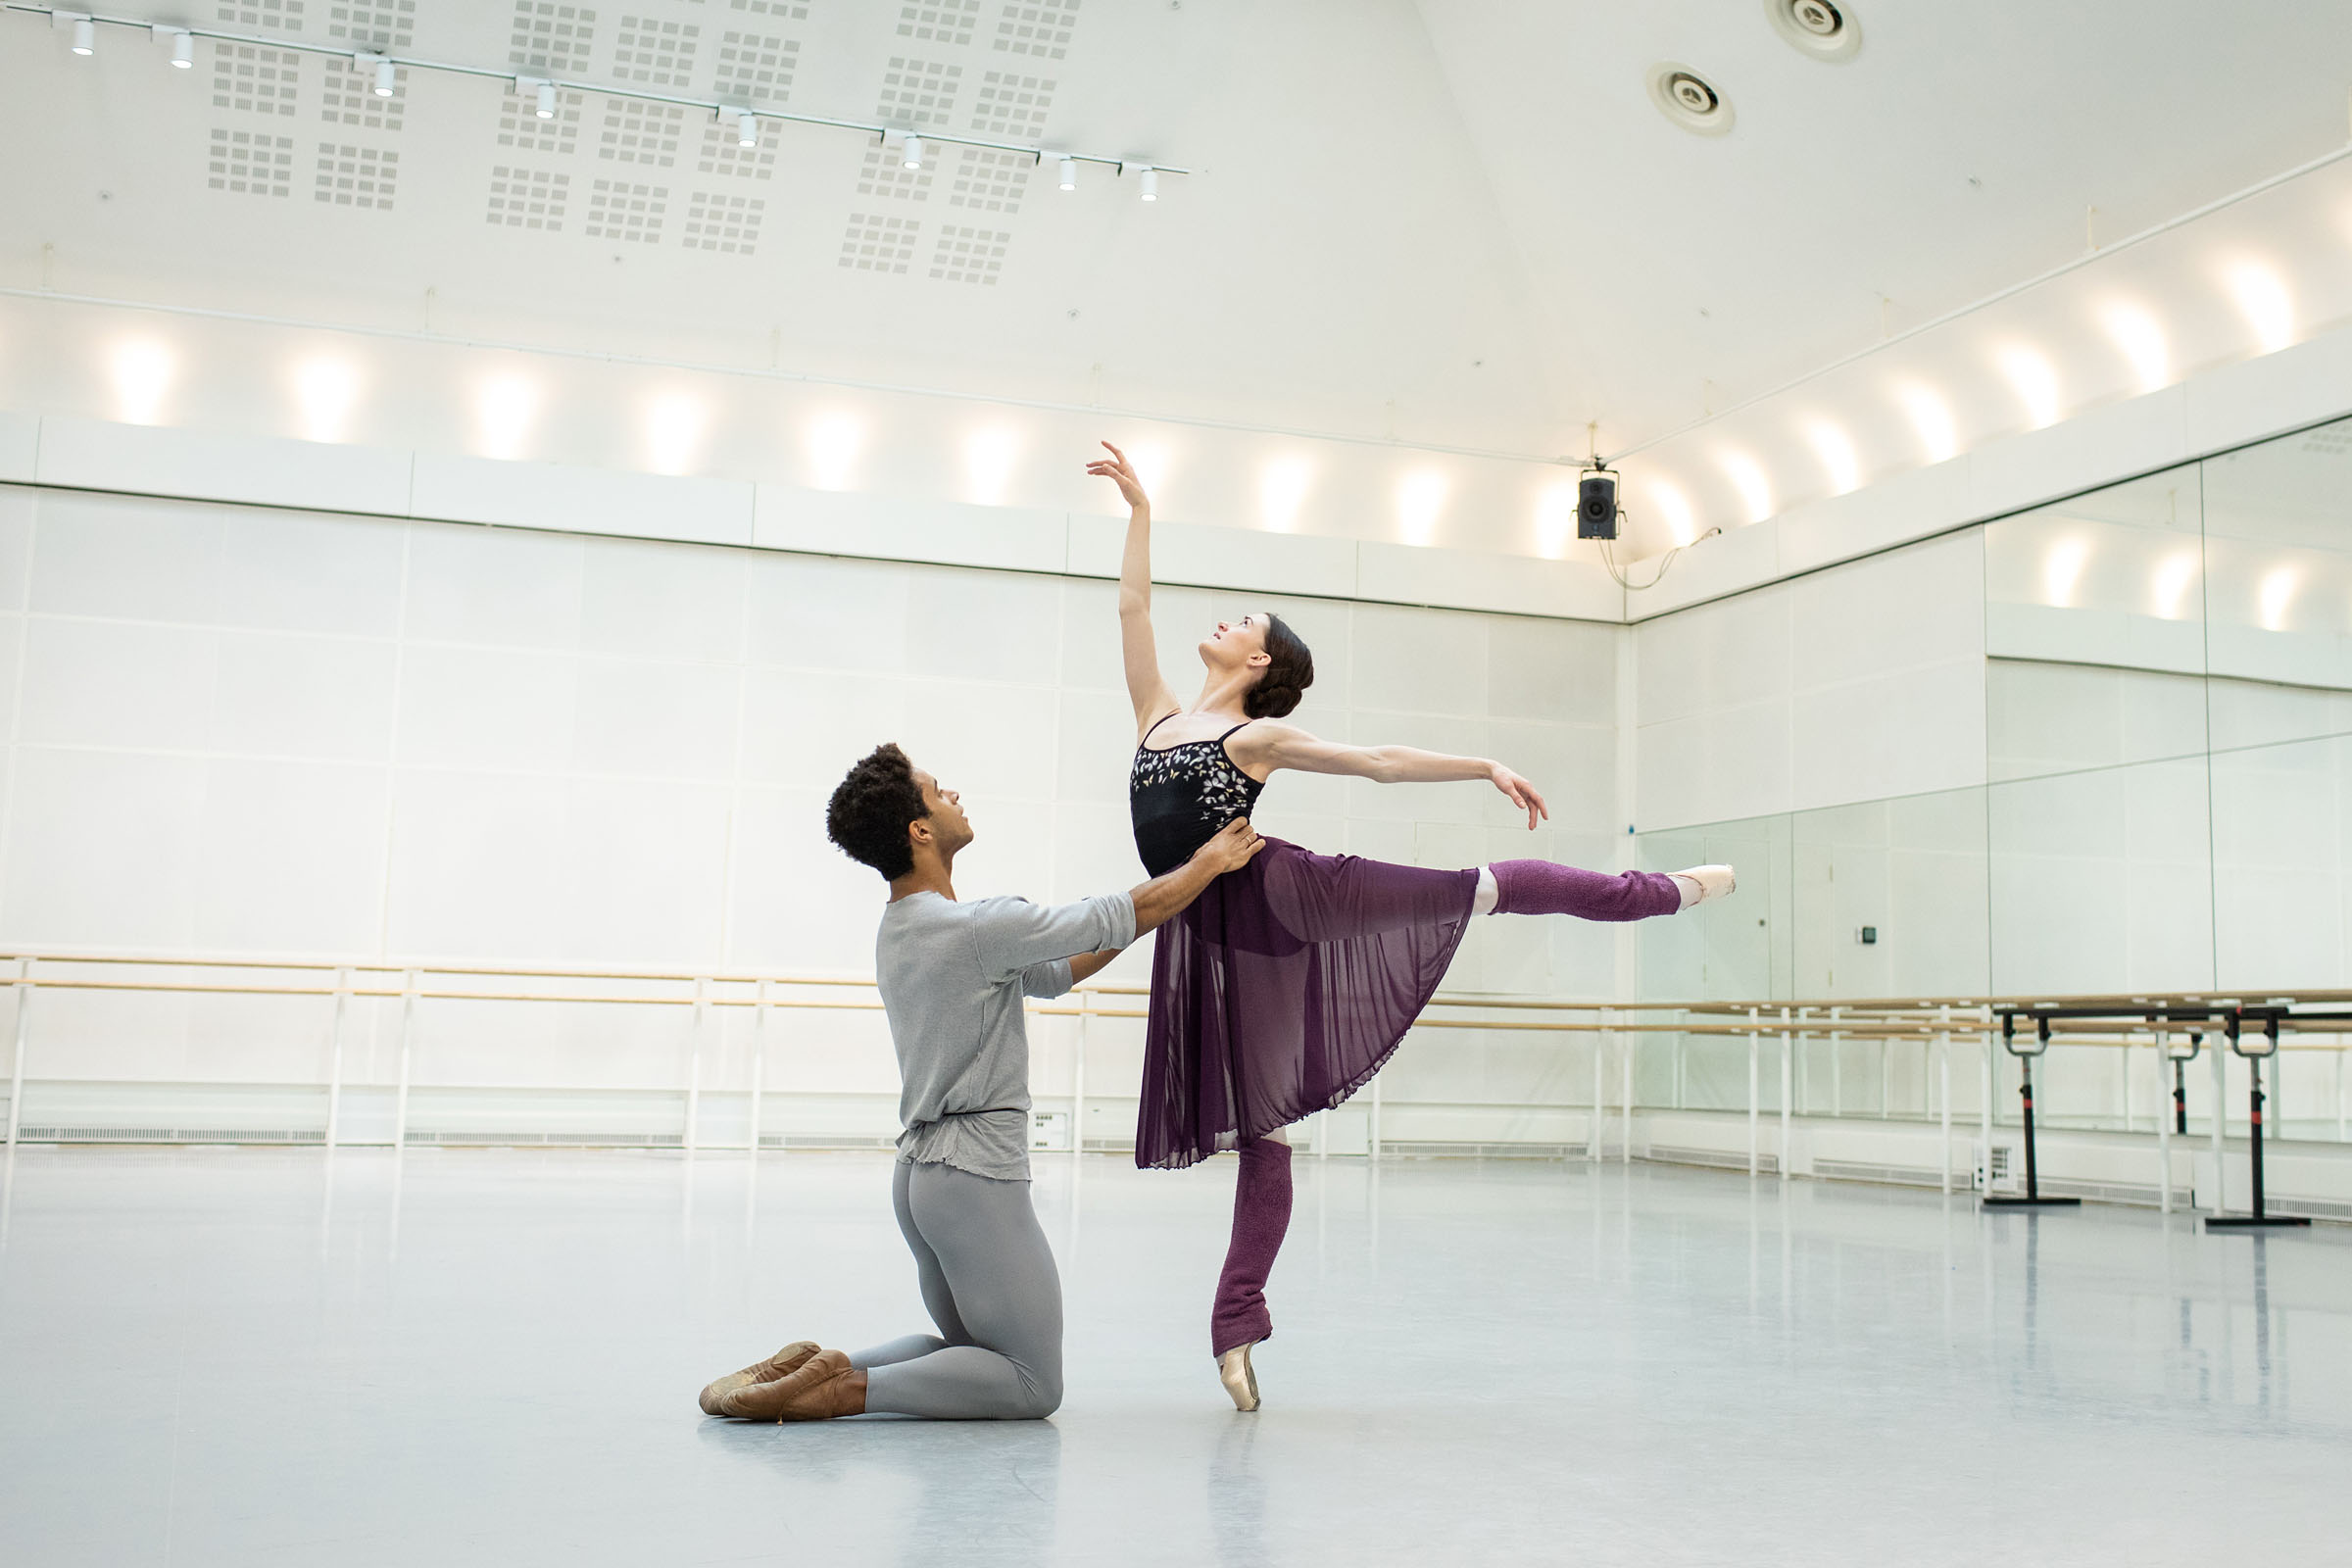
(1261,1217)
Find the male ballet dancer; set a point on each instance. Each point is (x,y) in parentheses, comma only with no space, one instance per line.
(952,977)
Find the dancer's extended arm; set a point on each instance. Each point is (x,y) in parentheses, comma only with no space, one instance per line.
(1150,694)
(1270,744)
(1017,937)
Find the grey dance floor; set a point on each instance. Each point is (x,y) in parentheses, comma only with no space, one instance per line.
(226,1356)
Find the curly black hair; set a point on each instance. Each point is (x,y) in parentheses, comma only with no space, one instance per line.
(871,809)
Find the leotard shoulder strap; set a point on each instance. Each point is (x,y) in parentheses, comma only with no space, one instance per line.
(1161,719)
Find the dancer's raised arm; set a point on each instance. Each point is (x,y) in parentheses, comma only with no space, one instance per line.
(1144,688)
(1269,745)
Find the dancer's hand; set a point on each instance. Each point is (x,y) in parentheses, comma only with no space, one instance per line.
(1522,793)
(1236,842)
(1120,472)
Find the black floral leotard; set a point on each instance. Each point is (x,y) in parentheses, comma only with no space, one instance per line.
(1183,796)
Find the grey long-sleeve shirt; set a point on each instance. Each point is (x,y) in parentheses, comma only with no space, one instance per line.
(952,977)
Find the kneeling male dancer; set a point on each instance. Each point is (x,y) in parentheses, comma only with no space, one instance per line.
(951,976)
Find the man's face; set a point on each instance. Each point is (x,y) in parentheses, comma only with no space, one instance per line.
(950,828)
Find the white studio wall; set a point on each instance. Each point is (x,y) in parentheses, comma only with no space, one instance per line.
(238,731)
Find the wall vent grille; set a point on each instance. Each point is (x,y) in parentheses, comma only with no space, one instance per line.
(172,1135)
(551,37)
(255,80)
(879,243)
(1443,1149)
(618,210)
(1039,31)
(251,163)
(658,53)
(968,254)
(355,176)
(1716,1158)
(528,198)
(717,222)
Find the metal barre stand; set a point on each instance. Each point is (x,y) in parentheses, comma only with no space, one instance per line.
(2261,1217)
(2025,1055)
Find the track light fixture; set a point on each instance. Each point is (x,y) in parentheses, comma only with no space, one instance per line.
(747,129)
(1069,174)
(183,46)
(547,99)
(912,156)
(85,35)
(383,79)
(1149,182)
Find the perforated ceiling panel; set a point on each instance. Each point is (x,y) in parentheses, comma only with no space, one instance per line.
(787,9)
(528,198)
(553,37)
(252,162)
(885,173)
(638,133)
(1041,31)
(879,243)
(251,80)
(655,51)
(918,92)
(519,124)
(1012,105)
(755,68)
(724,152)
(387,24)
(968,254)
(355,176)
(267,16)
(990,182)
(618,210)
(940,22)
(717,221)
(350,98)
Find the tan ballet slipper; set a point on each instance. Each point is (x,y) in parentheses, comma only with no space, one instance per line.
(1239,1376)
(822,1388)
(787,1360)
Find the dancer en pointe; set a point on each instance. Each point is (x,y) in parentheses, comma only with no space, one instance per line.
(1287,986)
(951,976)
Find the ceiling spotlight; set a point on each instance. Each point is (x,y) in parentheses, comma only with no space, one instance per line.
(547,99)
(1069,174)
(1822,29)
(747,129)
(383,79)
(1689,99)
(85,37)
(913,156)
(1149,183)
(183,46)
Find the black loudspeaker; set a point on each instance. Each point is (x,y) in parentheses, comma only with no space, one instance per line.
(1596,506)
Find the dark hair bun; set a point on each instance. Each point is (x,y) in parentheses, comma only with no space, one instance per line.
(1290,671)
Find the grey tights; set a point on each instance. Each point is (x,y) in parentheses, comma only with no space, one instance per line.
(988,1281)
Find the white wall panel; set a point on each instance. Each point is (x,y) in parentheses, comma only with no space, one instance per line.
(103,849)
(492,585)
(572,499)
(117,683)
(125,556)
(154,460)
(290,857)
(20,447)
(324,698)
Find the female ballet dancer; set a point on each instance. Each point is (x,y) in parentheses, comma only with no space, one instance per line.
(1289,984)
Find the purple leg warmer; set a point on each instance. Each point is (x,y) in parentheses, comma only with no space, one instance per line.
(1539,887)
(1261,1216)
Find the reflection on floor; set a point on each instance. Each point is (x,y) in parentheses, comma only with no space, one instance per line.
(224,1357)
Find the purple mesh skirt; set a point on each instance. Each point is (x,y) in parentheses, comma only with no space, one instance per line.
(1283,989)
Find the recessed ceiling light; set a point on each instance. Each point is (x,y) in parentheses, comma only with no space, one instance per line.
(1816,28)
(1689,99)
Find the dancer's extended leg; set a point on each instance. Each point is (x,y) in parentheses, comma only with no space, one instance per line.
(988,1281)
(1542,887)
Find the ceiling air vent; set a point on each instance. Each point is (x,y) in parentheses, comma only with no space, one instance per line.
(1689,99)
(1816,28)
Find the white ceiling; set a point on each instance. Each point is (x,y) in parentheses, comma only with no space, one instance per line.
(1455,224)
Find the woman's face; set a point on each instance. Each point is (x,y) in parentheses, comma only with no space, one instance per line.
(1236,643)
